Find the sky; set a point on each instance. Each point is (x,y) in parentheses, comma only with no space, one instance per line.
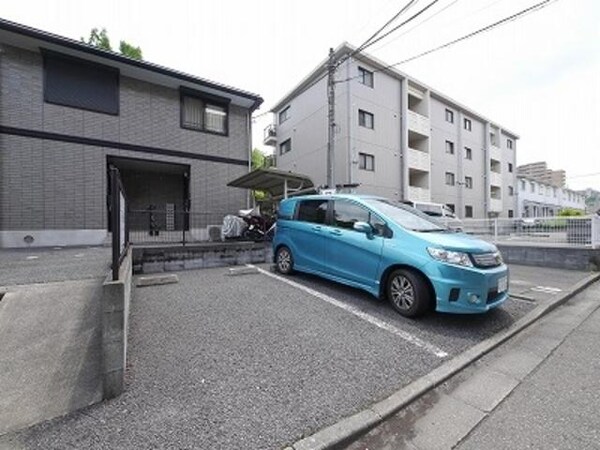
(538,76)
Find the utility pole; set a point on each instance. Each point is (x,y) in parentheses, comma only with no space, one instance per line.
(331,121)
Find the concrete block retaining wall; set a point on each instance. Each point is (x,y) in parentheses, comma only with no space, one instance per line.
(115,319)
(171,258)
(572,258)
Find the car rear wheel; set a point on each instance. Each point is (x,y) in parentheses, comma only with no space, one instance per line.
(408,293)
(284,260)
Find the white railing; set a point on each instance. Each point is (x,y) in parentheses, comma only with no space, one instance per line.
(582,231)
(418,123)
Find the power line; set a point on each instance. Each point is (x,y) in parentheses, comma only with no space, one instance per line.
(417,25)
(410,19)
(398,14)
(536,7)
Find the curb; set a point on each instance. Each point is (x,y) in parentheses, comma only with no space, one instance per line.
(359,423)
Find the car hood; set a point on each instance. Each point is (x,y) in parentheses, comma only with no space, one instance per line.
(457,241)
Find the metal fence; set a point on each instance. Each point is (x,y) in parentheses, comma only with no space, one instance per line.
(561,231)
(163,227)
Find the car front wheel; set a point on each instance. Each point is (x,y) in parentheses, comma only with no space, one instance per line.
(284,260)
(408,293)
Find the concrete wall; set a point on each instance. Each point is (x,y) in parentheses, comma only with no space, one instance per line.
(115,324)
(47,185)
(556,257)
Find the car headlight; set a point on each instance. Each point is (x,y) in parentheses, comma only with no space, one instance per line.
(450,257)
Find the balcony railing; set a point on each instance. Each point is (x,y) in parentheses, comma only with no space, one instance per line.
(418,194)
(418,123)
(270,135)
(419,160)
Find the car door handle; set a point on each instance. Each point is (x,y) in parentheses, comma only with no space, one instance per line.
(316,228)
(335,232)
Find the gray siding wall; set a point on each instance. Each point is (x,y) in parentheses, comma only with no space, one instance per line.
(56,185)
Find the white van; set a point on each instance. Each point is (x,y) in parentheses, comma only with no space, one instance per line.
(439,211)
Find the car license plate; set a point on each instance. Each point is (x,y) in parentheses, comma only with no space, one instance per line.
(502,284)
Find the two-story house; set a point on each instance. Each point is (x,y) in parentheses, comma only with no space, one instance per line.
(70,111)
(396,137)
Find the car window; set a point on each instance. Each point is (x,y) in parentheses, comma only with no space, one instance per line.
(346,214)
(314,211)
(405,216)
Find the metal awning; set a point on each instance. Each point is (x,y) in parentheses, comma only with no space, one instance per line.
(277,183)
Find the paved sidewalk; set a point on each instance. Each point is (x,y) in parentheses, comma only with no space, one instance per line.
(541,390)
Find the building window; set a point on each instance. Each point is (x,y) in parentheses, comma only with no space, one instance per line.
(532,186)
(510,167)
(468,211)
(366,119)
(468,153)
(285,147)
(80,84)
(493,139)
(523,185)
(467,124)
(366,162)
(511,191)
(365,77)
(449,116)
(203,115)
(511,213)
(450,147)
(469,182)
(449,178)
(509,143)
(284,115)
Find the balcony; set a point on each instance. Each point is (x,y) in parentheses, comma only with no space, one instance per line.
(418,124)
(417,194)
(270,135)
(496,205)
(495,153)
(495,179)
(419,160)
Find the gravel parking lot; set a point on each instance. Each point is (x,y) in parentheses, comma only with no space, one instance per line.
(255,362)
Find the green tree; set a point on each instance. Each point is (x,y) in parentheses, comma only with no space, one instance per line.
(101,40)
(570,212)
(258,159)
(129,50)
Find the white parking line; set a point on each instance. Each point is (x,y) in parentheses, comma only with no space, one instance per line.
(360,314)
(546,289)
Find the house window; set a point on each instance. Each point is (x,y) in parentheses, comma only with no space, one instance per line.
(532,186)
(511,191)
(285,147)
(284,115)
(493,139)
(523,185)
(509,143)
(366,119)
(468,153)
(510,167)
(450,147)
(365,77)
(511,213)
(468,211)
(449,116)
(203,115)
(469,182)
(366,162)
(449,178)
(467,124)
(80,84)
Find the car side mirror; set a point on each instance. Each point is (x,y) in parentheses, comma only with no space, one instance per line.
(363,227)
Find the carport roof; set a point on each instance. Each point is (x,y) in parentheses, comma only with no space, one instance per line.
(273,181)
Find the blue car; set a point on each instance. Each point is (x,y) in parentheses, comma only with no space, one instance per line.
(390,250)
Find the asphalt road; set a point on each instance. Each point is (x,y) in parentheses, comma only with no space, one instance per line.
(254,362)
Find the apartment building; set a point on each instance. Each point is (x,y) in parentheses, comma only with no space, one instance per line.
(537,199)
(69,112)
(539,171)
(396,137)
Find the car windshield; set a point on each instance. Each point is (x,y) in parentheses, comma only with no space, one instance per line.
(406,216)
